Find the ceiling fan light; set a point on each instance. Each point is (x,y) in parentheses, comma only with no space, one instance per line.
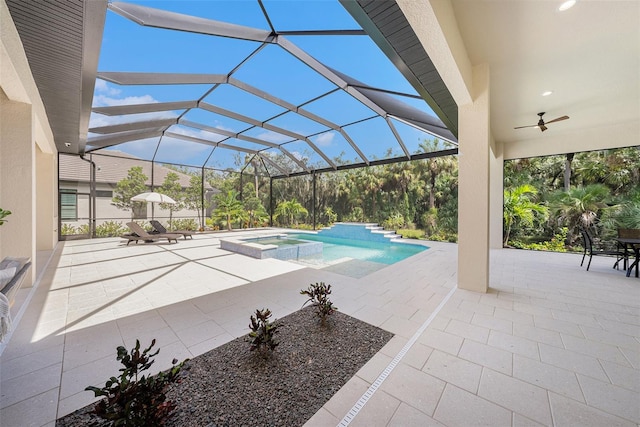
(567,5)
(547,92)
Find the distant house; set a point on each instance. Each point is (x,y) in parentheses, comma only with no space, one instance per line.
(74,180)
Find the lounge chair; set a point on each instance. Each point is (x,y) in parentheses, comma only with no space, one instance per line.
(159,228)
(139,233)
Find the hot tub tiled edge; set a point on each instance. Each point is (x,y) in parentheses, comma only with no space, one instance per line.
(253,250)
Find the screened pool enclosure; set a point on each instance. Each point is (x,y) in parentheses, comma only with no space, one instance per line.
(268,89)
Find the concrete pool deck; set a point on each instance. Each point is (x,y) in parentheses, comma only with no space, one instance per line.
(550,344)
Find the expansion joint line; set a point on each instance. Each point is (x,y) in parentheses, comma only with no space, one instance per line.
(378,382)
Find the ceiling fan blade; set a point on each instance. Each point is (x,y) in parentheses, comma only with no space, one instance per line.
(523,127)
(542,128)
(558,119)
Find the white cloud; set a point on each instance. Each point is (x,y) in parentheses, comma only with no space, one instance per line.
(181,151)
(107,101)
(98,120)
(325,139)
(213,137)
(104,87)
(276,138)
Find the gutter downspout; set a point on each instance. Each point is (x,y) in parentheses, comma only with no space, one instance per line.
(92,195)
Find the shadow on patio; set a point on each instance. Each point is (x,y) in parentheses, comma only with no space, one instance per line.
(550,344)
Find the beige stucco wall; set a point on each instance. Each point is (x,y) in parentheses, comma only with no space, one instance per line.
(46,200)
(27,153)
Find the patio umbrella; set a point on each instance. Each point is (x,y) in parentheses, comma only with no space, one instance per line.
(153,197)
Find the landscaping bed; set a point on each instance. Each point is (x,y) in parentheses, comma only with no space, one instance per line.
(231,386)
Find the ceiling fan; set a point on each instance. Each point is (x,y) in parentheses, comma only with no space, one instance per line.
(541,123)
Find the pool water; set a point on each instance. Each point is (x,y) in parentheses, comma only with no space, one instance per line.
(384,253)
(278,241)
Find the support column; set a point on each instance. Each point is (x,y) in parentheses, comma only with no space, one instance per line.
(270,202)
(313,206)
(474,138)
(46,201)
(496,193)
(17,181)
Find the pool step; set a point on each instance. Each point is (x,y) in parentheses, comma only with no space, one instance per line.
(359,231)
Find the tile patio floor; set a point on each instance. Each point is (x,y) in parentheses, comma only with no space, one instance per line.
(550,344)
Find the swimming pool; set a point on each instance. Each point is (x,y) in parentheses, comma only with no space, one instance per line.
(334,248)
(366,249)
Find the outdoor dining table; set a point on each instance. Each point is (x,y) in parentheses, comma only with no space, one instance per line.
(632,244)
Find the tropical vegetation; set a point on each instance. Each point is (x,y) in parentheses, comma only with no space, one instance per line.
(546,199)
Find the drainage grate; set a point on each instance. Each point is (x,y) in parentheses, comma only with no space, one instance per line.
(378,382)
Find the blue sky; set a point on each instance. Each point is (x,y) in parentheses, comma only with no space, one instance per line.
(130,47)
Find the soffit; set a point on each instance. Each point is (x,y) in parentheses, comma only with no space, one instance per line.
(589,56)
(61,46)
(388,27)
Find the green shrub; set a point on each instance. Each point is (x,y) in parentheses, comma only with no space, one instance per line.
(185,224)
(263,331)
(130,400)
(319,297)
(330,215)
(67,230)
(110,229)
(556,244)
(394,222)
(411,234)
(303,226)
(83,229)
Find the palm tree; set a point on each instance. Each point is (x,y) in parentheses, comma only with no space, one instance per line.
(519,208)
(580,205)
(255,210)
(291,210)
(227,207)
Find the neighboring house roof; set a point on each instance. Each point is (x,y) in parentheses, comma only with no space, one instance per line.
(113,169)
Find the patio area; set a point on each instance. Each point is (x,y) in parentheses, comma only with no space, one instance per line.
(550,344)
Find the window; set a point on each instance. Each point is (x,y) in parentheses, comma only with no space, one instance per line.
(69,205)
(104,193)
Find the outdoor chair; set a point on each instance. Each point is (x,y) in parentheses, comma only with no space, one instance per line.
(591,251)
(158,228)
(628,251)
(139,233)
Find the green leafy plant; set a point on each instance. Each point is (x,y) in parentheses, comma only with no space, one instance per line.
(394,222)
(411,234)
(556,244)
(134,400)
(185,224)
(110,229)
(3,214)
(67,230)
(318,294)
(263,331)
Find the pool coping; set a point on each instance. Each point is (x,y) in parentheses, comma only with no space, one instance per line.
(244,246)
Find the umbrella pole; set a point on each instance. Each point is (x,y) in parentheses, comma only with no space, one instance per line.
(153,207)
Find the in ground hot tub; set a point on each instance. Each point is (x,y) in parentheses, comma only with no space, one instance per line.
(279,246)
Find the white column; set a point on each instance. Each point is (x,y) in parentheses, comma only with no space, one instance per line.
(46,201)
(496,191)
(474,137)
